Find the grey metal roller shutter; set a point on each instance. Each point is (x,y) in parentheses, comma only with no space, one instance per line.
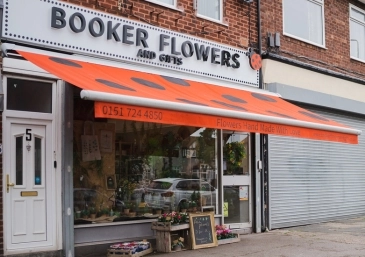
(315,181)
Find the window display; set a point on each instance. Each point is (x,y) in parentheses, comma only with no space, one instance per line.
(144,169)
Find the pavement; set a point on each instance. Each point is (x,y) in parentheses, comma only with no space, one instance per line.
(342,238)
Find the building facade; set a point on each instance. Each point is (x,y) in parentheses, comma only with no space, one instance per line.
(313,56)
(116,111)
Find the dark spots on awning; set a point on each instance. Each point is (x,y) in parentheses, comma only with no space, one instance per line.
(281,115)
(176,81)
(190,102)
(263,97)
(234,99)
(114,85)
(148,83)
(65,62)
(229,105)
(312,115)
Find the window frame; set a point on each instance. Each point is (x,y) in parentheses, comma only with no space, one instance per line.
(221,9)
(174,6)
(323,45)
(354,19)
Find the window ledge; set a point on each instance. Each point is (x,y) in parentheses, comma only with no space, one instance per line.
(305,41)
(166,5)
(212,20)
(118,223)
(357,59)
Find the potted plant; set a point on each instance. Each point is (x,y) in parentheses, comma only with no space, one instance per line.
(85,214)
(225,235)
(130,209)
(184,206)
(158,211)
(127,208)
(92,211)
(177,244)
(104,212)
(193,206)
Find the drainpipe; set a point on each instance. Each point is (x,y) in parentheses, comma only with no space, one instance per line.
(262,136)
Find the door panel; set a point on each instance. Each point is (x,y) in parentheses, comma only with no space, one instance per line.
(236,180)
(27,196)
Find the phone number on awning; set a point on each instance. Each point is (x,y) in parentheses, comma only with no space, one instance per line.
(131,112)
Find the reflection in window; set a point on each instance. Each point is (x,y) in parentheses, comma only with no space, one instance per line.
(357,33)
(210,9)
(236,204)
(37,161)
(158,168)
(304,19)
(19,160)
(27,95)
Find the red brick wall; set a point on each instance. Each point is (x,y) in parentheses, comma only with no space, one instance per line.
(236,34)
(336,55)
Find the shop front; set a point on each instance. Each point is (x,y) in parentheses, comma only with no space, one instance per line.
(110,122)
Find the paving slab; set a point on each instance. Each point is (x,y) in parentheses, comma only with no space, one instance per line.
(342,238)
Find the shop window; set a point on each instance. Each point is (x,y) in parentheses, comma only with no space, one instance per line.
(304,20)
(30,96)
(209,9)
(235,154)
(156,167)
(357,33)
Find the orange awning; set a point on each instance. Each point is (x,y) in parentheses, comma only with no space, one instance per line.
(121,93)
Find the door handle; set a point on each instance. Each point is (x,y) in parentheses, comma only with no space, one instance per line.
(8,184)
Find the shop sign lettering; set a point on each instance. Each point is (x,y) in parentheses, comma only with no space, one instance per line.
(131,35)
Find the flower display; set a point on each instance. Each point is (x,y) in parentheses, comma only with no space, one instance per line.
(173,217)
(178,242)
(132,247)
(223,232)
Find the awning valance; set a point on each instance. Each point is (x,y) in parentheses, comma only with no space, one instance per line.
(121,93)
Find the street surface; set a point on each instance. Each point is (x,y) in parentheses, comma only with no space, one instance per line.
(333,239)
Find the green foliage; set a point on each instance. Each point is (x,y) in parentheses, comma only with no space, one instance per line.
(206,146)
(234,153)
(92,210)
(85,212)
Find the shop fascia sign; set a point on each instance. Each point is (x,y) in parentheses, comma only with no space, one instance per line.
(63,26)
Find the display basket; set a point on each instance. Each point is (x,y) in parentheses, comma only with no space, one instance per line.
(130,249)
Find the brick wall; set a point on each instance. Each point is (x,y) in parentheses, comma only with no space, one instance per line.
(336,55)
(235,34)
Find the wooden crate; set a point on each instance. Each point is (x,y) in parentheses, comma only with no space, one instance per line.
(167,226)
(127,253)
(229,240)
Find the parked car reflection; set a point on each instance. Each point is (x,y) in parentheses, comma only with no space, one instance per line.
(170,193)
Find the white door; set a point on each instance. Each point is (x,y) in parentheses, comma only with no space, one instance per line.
(236,180)
(27,220)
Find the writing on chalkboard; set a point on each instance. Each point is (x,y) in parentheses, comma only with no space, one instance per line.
(202,228)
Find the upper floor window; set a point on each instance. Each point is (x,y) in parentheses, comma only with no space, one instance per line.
(166,3)
(210,9)
(357,33)
(304,20)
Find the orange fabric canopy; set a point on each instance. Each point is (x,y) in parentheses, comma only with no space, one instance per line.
(133,95)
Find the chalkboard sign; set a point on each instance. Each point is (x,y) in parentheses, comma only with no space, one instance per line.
(202,230)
